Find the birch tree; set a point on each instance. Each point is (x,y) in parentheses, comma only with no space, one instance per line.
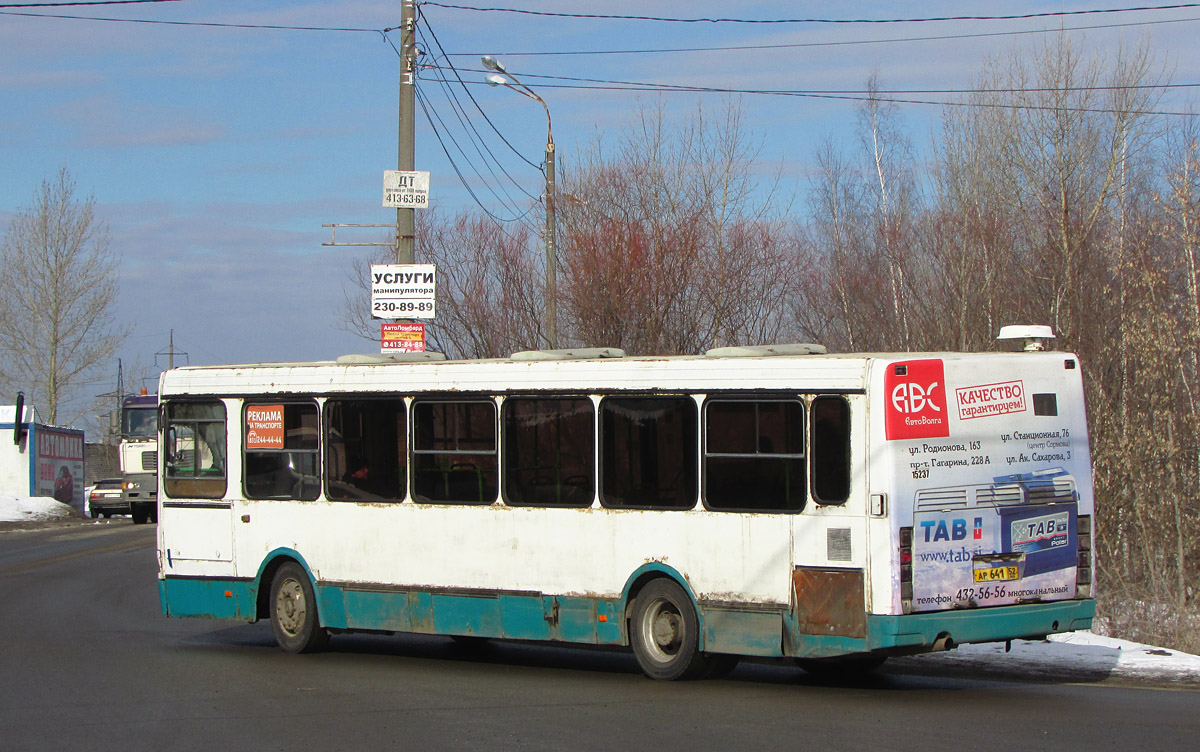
(58,294)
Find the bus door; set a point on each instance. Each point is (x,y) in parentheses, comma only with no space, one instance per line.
(196,517)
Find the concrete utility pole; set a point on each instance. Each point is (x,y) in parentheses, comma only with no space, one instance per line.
(405,220)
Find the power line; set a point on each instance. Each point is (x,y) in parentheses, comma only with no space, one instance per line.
(430,117)
(1007,17)
(206,24)
(863,96)
(480,147)
(477,143)
(94,2)
(803,45)
(472,97)
(617,85)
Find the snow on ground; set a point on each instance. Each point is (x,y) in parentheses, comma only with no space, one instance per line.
(32,509)
(1075,655)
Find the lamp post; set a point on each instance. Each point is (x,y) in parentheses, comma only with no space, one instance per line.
(494,79)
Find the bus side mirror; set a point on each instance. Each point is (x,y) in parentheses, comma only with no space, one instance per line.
(19,419)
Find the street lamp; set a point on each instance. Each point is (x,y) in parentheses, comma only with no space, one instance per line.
(494,79)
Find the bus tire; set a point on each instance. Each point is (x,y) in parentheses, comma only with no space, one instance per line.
(293,608)
(139,514)
(665,631)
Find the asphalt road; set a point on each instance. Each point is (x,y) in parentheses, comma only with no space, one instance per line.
(87,662)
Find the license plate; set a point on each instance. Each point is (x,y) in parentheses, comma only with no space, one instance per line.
(994,574)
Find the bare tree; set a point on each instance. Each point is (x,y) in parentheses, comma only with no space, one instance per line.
(58,292)
(671,243)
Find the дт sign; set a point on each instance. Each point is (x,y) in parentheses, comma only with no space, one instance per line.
(406,189)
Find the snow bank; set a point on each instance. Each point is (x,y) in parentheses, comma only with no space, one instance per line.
(1075,656)
(32,509)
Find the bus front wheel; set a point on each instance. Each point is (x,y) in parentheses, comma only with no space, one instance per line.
(664,632)
(294,611)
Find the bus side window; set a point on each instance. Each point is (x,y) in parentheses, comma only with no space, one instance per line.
(281,451)
(366,449)
(454,452)
(648,456)
(754,455)
(195,452)
(831,450)
(549,451)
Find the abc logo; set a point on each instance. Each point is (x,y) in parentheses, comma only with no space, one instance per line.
(914,395)
(912,398)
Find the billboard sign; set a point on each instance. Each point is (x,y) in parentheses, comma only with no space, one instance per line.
(58,465)
(403,291)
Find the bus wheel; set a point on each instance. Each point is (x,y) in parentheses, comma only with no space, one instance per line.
(139,515)
(665,633)
(294,611)
(842,667)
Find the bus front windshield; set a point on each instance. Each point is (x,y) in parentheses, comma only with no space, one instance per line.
(141,423)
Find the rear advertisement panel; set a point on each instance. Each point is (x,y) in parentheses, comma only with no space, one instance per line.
(991,453)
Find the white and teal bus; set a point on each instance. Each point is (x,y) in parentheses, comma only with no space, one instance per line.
(764,501)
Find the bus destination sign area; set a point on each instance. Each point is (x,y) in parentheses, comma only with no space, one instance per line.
(403,291)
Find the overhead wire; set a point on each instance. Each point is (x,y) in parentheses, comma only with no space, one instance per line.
(617,84)
(843,43)
(859,95)
(432,116)
(202,24)
(473,135)
(478,145)
(475,102)
(812,20)
(495,185)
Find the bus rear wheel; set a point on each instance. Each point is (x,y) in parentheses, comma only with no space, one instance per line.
(665,632)
(294,611)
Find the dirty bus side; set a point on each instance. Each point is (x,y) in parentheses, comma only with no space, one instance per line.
(768,502)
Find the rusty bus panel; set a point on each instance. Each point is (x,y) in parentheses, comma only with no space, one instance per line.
(830,601)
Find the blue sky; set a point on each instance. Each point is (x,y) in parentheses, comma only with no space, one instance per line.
(216,154)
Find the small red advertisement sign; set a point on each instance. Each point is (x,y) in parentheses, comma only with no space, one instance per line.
(915,400)
(264,427)
(401,338)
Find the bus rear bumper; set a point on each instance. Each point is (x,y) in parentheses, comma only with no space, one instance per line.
(938,630)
